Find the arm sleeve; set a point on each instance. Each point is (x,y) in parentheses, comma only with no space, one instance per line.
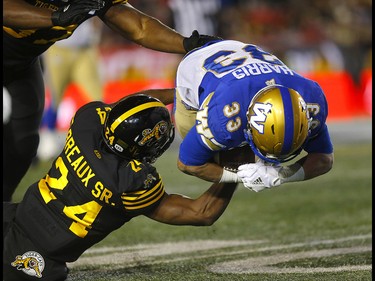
(147,191)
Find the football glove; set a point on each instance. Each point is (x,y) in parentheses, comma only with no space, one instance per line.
(197,40)
(77,11)
(259,175)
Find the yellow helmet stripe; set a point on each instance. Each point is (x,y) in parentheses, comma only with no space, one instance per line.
(133,111)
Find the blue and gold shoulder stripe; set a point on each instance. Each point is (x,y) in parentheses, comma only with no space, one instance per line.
(139,200)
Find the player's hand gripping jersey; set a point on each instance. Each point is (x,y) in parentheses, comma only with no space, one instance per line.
(220,80)
(88,193)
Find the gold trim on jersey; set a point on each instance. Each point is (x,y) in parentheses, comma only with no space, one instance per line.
(212,143)
(202,127)
(133,111)
(143,198)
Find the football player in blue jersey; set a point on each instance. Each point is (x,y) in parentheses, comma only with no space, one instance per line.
(103,178)
(30,27)
(230,94)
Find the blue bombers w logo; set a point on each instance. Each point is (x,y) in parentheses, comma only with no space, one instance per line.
(260,115)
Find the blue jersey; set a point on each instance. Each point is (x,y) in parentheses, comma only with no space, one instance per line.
(219,81)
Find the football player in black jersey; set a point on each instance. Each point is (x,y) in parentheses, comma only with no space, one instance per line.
(103,178)
(30,27)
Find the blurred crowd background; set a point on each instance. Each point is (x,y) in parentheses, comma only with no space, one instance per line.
(308,35)
(329,41)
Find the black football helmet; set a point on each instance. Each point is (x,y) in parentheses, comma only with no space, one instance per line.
(139,127)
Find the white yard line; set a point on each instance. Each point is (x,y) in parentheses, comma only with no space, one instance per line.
(264,264)
(121,255)
(158,254)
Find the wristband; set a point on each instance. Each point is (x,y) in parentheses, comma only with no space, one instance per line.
(294,172)
(229,176)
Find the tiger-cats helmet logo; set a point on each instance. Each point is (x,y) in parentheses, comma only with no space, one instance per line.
(31,263)
(156,133)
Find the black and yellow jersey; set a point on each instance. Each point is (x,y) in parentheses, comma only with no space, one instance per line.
(33,42)
(88,191)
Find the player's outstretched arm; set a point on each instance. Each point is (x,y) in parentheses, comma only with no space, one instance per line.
(20,14)
(178,209)
(316,164)
(210,172)
(150,32)
(143,29)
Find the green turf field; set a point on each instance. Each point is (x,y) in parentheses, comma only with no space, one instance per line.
(316,230)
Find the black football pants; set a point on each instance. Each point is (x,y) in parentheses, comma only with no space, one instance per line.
(21,133)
